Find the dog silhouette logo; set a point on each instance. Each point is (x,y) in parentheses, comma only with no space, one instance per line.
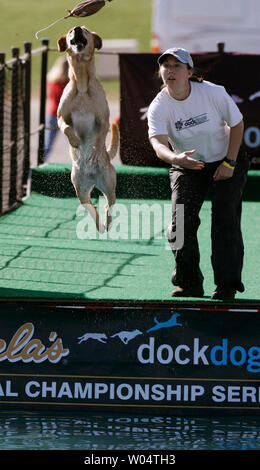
(165,324)
(127,336)
(101,337)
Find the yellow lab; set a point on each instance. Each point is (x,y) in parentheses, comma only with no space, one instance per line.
(83,116)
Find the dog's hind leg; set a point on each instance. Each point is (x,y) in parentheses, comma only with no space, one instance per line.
(107,185)
(94,214)
(83,195)
(111,199)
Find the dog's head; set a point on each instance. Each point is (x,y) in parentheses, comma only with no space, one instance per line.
(79,40)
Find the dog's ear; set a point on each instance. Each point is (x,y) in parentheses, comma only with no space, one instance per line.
(62,44)
(97,41)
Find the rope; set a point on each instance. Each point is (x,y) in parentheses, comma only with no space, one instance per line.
(52,24)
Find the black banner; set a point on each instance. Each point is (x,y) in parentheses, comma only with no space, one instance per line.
(239,73)
(164,360)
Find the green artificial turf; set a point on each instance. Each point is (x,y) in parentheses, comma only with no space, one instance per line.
(45,252)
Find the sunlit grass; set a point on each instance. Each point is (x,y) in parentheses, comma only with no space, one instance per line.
(120,19)
(20,19)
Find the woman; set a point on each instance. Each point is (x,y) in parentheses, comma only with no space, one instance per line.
(204,128)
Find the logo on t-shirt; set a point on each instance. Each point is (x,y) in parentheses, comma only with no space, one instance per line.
(191,122)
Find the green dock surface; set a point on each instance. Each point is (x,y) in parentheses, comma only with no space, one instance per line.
(48,251)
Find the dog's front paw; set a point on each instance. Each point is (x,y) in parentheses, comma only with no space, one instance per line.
(73,139)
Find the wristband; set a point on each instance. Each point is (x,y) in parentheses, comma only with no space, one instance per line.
(231,162)
(228,165)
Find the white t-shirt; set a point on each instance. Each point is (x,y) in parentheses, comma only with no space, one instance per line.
(201,122)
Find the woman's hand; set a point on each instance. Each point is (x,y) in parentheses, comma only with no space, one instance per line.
(223,173)
(161,148)
(185,161)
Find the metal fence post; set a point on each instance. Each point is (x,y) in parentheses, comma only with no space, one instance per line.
(45,42)
(14,106)
(27,112)
(2,95)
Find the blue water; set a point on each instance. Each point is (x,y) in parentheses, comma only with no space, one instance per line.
(74,431)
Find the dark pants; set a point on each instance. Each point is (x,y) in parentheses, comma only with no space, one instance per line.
(190,187)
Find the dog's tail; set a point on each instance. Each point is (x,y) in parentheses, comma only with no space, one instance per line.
(114,141)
